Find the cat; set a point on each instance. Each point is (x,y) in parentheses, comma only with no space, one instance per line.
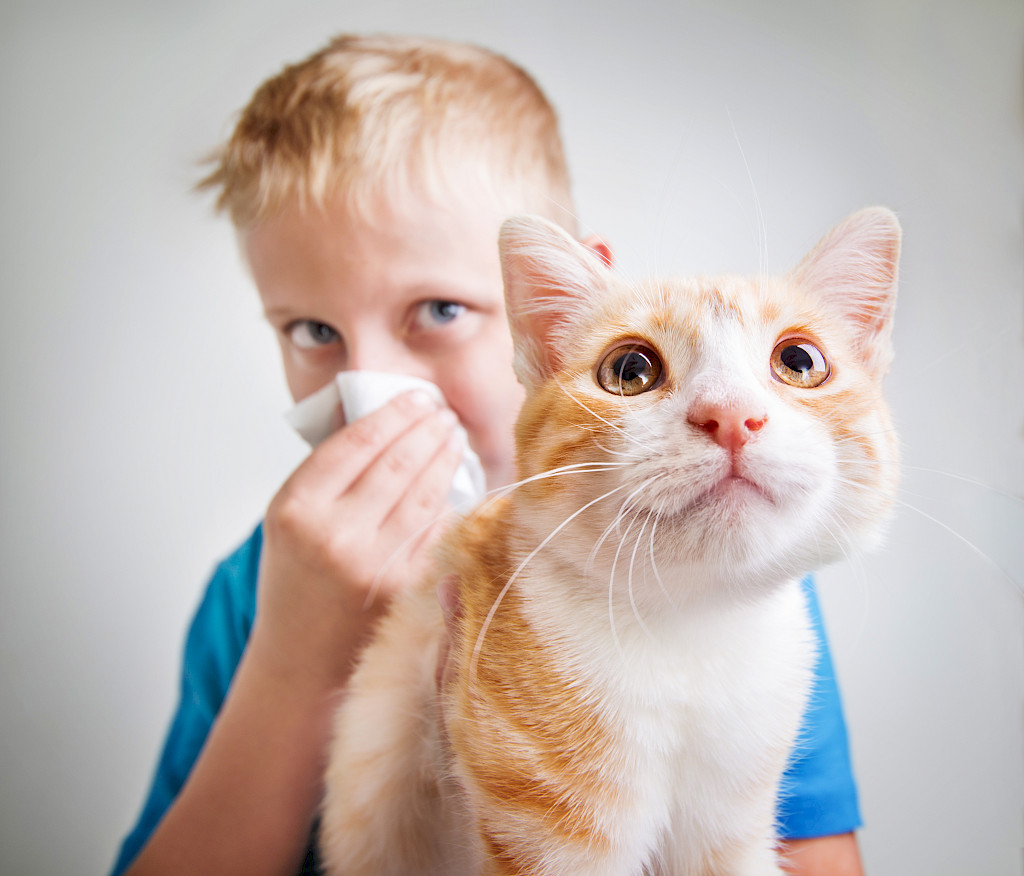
(631,657)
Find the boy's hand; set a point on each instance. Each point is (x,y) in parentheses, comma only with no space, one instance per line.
(352,525)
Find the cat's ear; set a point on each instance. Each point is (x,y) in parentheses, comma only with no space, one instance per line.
(853,270)
(550,279)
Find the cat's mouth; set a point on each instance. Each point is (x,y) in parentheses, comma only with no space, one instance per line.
(737,487)
(733,491)
(730,490)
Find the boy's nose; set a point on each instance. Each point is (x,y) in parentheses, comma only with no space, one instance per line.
(729,426)
(381,356)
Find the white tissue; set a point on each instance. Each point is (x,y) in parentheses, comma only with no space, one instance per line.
(361,392)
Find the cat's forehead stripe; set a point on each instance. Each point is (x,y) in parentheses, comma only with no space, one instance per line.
(716,303)
(690,309)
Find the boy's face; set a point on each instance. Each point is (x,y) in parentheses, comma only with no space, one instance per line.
(416,291)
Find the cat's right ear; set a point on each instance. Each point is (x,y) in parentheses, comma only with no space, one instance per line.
(550,280)
(853,270)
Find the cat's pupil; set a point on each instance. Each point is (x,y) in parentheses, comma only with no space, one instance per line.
(632,366)
(797,359)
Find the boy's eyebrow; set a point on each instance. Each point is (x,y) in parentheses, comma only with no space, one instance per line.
(448,289)
(275,313)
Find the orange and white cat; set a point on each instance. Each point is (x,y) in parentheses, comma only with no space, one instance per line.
(632,653)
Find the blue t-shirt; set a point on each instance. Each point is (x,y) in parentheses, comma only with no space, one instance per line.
(820,797)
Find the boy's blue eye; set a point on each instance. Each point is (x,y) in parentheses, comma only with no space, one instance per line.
(307,334)
(443,311)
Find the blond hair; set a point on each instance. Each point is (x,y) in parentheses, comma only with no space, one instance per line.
(367,116)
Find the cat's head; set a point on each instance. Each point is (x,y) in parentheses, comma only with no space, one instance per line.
(733,426)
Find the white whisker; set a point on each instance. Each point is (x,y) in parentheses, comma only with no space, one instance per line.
(623,510)
(629,454)
(597,466)
(966,541)
(478,645)
(629,578)
(597,416)
(762,225)
(611,593)
(654,564)
(966,480)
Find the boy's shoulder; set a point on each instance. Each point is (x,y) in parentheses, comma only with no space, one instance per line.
(240,567)
(222,622)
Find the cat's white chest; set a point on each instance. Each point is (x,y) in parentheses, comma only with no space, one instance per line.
(705,711)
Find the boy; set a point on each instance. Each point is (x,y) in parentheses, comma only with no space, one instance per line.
(367,184)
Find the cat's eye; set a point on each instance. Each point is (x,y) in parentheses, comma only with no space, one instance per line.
(799,363)
(629,370)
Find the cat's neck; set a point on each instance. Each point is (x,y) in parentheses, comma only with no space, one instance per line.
(635,646)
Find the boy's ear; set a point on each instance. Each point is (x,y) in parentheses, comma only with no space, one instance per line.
(550,280)
(600,246)
(853,271)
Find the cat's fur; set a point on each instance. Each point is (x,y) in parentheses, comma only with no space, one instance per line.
(632,654)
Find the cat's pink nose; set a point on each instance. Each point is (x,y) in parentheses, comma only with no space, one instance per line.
(729,427)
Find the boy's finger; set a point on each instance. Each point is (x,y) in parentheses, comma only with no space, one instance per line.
(414,471)
(426,497)
(344,456)
(404,539)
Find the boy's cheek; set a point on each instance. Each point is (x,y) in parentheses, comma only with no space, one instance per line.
(491,427)
(306,372)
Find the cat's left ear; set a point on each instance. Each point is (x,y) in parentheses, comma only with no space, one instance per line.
(853,270)
(550,280)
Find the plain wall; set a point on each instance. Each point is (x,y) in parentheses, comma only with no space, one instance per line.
(140,400)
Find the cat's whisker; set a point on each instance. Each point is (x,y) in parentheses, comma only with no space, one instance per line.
(628,454)
(490,496)
(594,467)
(856,561)
(841,543)
(1019,585)
(878,462)
(373,591)
(623,510)
(584,229)
(614,524)
(478,645)
(611,594)
(629,579)
(626,434)
(762,225)
(859,435)
(592,556)
(964,479)
(654,563)
(638,421)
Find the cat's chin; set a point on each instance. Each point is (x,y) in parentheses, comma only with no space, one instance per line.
(739,526)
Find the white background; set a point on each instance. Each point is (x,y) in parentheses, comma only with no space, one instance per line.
(140,399)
